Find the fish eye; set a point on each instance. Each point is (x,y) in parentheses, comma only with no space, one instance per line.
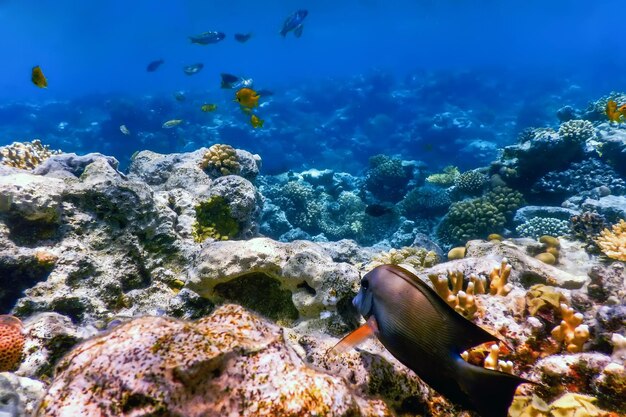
(365,284)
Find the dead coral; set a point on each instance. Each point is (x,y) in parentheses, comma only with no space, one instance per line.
(613,242)
(571,331)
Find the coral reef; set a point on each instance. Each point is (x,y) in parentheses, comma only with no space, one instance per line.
(25,155)
(425,201)
(571,332)
(470,219)
(613,242)
(214,220)
(417,258)
(540,226)
(506,200)
(586,227)
(445,178)
(470,182)
(576,131)
(387,178)
(220,160)
(11,342)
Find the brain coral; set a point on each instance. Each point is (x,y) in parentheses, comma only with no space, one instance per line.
(220,160)
(470,219)
(11,342)
(25,155)
(470,182)
(387,178)
(577,131)
(231,363)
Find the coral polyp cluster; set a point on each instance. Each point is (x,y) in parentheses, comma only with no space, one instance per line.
(25,155)
(220,160)
(613,242)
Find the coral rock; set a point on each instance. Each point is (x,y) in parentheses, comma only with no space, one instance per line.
(230,363)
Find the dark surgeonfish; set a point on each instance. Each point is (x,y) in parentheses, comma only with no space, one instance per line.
(154,65)
(243,37)
(294,22)
(206,38)
(428,336)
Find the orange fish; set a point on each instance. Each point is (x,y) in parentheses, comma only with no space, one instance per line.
(612,113)
(247,97)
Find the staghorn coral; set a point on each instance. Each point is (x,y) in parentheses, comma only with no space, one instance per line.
(470,182)
(25,155)
(387,178)
(451,290)
(220,160)
(613,242)
(505,199)
(11,342)
(425,201)
(571,331)
(445,178)
(576,131)
(538,226)
(470,219)
(214,220)
(418,258)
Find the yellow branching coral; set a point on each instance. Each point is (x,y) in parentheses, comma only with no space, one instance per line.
(220,160)
(568,405)
(25,155)
(451,290)
(446,178)
(498,279)
(613,242)
(571,331)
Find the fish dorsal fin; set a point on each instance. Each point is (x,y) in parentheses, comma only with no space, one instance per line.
(467,334)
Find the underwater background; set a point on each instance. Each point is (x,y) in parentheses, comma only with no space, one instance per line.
(206,206)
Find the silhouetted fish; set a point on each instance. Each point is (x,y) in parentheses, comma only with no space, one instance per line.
(232,81)
(243,37)
(206,38)
(428,336)
(377,210)
(154,65)
(294,22)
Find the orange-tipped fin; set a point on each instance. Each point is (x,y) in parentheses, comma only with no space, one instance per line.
(357,337)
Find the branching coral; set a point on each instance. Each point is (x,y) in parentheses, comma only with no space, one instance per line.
(11,342)
(214,220)
(576,131)
(579,177)
(489,357)
(470,182)
(25,155)
(445,178)
(220,160)
(451,290)
(418,258)
(470,219)
(613,242)
(571,331)
(498,279)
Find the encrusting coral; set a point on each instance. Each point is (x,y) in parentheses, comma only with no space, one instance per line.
(571,331)
(25,155)
(221,160)
(542,297)
(613,242)
(214,220)
(11,342)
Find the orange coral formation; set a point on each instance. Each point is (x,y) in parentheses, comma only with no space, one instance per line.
(11,342)
(498,279)
(571,331)
(613,242)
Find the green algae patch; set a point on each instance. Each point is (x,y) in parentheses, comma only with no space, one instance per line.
(214,220)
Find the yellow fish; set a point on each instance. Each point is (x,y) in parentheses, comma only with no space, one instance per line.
(171,123)
(256,122)
(611,111)
(247,97)
(38,78)
(208,107)
(124,130)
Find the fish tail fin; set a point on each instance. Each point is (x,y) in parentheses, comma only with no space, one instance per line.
(490,392)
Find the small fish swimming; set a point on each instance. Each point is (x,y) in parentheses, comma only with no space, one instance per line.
(256,122)
(294,22)
(208,107)
(180,96)
(193,69)
(206,38)
(247,97)
(124,130)
(38,78)
(243,37)
(171,123)
(424,333)
(230,81)
(154,65)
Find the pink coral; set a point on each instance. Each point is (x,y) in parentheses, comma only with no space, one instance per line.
(11,342)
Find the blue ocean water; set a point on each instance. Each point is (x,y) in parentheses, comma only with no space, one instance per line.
(366,77)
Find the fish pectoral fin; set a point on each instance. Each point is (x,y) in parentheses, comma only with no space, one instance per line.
(357,337)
